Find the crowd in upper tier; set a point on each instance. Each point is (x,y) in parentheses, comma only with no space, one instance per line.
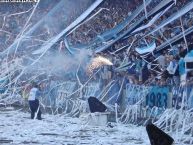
(164,67)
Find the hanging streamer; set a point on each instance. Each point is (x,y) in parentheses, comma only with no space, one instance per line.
(183,33)
(153,20)
(131,29)
(53,40)
(145,8)
(175,39)
(173,17)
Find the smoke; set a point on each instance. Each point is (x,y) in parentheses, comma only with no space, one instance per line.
(60,64)
(48,20)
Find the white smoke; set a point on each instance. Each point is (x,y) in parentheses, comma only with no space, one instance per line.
(57,63)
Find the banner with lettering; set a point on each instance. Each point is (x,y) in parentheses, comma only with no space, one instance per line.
(90,90)
(157,97)
(190,96)
(136,93)
(64,91)
(182,96)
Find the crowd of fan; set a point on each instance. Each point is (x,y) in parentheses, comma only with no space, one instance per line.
(165,67)
(52,18)
(111,13)
(49,19)
(128,63)
(13,18)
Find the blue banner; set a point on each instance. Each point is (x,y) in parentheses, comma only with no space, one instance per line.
(182,97)
(158,96)
(3,84)
(190,96)
(177,93)
(136,93)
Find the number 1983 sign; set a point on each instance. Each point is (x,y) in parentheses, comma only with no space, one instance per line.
(158,97)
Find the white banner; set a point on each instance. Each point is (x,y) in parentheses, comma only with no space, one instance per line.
(90,90)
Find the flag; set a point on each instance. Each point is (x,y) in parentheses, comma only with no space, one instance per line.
(147,49)
(189,60)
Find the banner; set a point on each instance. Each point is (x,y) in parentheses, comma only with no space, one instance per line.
(157,97)
(189,61)
(136,93)
(90,90)
(64,91)
(182,97)
(190,96)
(3,82)
(177,93)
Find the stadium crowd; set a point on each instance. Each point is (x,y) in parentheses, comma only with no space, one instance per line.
(164,67)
